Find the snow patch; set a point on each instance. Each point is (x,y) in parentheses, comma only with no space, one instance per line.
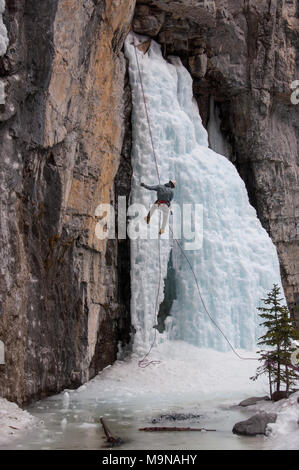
(284,433)
(13,421)
(88,425)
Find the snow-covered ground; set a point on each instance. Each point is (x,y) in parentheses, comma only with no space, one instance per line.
(284,434)
(13,421)
(185,371)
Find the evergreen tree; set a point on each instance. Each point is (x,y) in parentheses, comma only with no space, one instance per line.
(278,337)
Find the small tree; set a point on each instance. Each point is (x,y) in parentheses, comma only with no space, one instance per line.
(278,338)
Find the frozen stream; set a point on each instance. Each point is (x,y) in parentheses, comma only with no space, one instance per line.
(84,432)
(129,398)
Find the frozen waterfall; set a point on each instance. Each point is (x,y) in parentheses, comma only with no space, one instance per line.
(237,263)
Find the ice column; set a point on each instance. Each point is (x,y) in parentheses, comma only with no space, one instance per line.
(237,263)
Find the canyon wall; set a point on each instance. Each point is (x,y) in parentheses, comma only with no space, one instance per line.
(62,129)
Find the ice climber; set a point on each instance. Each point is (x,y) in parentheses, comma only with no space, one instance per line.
(164,197)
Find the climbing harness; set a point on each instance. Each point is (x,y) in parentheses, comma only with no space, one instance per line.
(159,202)
(145,362)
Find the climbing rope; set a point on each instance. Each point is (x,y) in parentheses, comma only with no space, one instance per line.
(145,362)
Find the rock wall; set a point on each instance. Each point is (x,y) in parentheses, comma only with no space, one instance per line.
(61,135)
(244,55)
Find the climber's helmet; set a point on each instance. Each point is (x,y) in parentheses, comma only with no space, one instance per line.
(172,183)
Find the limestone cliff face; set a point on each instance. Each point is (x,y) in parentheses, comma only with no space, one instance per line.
(244,54)
(61,137)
